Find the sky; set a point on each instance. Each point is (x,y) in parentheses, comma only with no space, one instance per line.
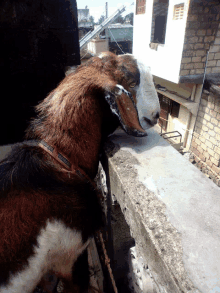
(97,7)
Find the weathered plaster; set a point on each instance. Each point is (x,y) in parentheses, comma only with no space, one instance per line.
(173,211)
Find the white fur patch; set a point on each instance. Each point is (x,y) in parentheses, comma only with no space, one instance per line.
(57,250)
(121,90)
(147,100)
(102,55)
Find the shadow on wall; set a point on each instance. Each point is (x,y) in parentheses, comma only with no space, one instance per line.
(38,39)
(122,242)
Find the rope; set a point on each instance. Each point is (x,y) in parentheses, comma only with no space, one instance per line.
(107,262)
(84,55)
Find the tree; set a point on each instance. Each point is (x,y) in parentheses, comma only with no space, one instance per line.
(119,19)
(130,17)
(92,19)
(101,19)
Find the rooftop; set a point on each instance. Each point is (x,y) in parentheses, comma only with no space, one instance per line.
(120,25)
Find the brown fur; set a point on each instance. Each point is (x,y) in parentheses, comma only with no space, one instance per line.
(75,118)
(69,103)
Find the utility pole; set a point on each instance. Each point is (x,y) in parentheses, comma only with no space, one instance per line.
(106,10)
(106,16)
(101,27)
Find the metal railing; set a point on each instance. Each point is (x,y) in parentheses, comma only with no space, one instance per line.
(172,136)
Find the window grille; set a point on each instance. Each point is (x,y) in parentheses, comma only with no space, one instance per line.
(178,11)
(140,6)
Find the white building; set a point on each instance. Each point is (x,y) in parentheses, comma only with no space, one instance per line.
(84,18)
(178,40)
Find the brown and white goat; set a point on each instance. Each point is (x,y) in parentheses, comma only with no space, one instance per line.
(49,208)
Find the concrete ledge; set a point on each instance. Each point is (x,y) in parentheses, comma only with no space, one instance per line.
(190,105)
(172,209)
(198,78)
(215,90)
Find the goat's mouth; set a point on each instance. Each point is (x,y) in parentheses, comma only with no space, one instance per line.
(148,121)
(134,132)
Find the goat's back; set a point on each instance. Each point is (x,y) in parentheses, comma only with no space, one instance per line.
(46,218)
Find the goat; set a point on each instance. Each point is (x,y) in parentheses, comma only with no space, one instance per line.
(49,206)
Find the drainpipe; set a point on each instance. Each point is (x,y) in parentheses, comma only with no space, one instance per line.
(195,88)
(189,118)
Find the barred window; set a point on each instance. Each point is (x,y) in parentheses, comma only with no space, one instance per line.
(168,107)
(140,6)
(178,11)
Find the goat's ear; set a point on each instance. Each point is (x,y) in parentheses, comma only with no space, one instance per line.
(122,105)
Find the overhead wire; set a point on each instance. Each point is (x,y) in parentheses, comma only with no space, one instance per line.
(116,41)
(103,13)
(114,37)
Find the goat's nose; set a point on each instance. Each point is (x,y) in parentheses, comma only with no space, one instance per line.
(156,115)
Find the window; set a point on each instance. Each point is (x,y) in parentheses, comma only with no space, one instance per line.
(165,105)
(160,29)
(159,21)
(178,11)
(140,6)
(175,108)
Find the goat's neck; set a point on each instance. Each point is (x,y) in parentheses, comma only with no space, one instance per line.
(75,130)
(74,117)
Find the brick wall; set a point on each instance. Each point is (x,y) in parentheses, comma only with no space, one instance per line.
(205,146)
(213,64)
(201,29)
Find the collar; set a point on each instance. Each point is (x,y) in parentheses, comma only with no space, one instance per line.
(69,168)
(59,157)
(56,155)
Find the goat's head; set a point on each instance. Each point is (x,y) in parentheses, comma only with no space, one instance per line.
(135,78)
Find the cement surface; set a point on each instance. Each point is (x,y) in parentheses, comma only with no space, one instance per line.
(186,200)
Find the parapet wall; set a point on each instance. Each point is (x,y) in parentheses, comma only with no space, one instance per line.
(172,210)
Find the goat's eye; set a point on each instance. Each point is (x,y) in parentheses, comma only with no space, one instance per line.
(133,84)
